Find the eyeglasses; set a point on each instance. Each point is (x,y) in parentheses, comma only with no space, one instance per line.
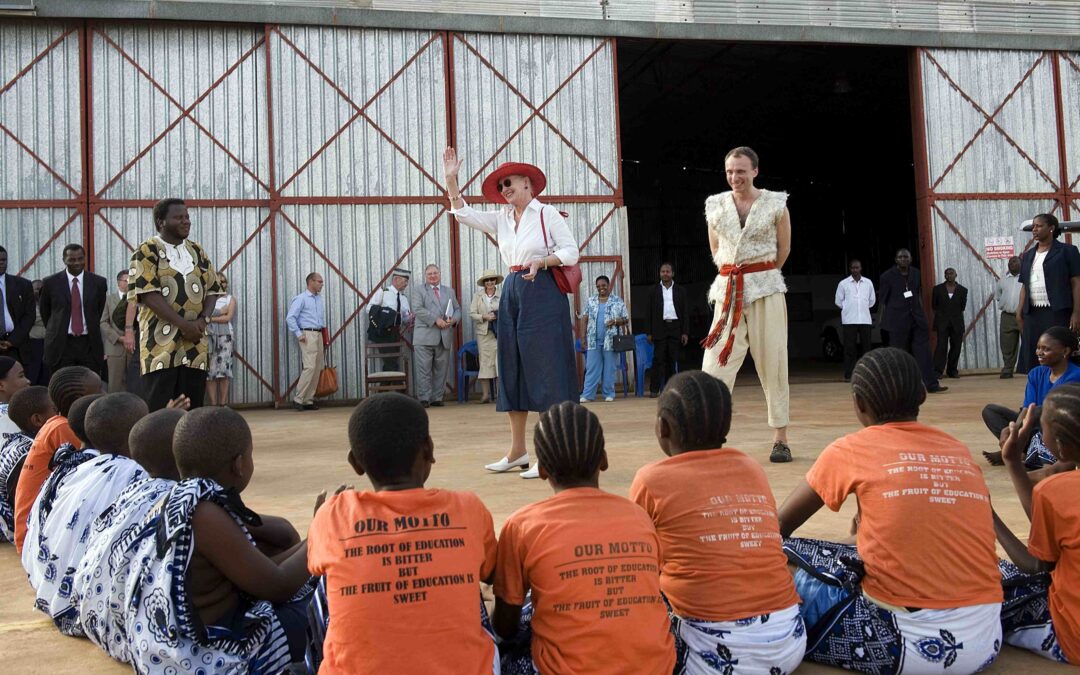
(503,184)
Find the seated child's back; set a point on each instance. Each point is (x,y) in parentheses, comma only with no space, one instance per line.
(590,560)
(29,409)
(403,558)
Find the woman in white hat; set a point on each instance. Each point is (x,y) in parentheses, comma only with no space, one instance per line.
(536,361)
(484,311)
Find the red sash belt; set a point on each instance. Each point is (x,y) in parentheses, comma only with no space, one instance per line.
(519,268)
(733,305)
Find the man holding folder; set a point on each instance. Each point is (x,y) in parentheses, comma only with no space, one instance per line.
(437,312)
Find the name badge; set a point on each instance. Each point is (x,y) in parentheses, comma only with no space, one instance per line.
(908,294)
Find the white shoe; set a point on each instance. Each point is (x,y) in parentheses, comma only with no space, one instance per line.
(504,465)
(609,399)
(583,400)
(534,472)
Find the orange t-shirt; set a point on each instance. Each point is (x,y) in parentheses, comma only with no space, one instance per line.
(1055,537)
(926,533)
(403,570)
(54,433)
(591,560)
(719,535)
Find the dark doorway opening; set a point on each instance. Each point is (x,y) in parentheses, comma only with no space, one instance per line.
(832,125)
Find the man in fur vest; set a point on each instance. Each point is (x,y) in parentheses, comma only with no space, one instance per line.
(750,238)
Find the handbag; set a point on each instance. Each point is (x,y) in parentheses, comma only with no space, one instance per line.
(328,384)
(567,277)
(623,342)
(381,322)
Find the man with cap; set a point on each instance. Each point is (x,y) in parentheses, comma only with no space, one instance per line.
(393,297)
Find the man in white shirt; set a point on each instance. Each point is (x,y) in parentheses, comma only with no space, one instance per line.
(392,297)
(1007,297)
(855,296)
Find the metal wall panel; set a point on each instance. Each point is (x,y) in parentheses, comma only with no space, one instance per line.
(324,78)
(500,79)
(30,86)
(145,76)
(1019,152)
(221,232)
(364,242)
(1069,67)
(35,239)
(975,221)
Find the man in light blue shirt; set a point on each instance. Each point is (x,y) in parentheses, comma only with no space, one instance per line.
(306,320)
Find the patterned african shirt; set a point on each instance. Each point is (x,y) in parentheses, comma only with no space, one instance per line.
(163,345)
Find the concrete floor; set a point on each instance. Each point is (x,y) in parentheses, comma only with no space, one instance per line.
(299,454)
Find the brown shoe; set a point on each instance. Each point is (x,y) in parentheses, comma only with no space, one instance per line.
(780,453)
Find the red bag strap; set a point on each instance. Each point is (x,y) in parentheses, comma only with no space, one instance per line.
(543,229)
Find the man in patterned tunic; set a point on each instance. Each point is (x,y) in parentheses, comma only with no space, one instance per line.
(176,287)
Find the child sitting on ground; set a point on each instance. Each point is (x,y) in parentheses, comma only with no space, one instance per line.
(101,577)
(206,596)
(402,556)
(65,386)
(72,498)
(1036,616)
(590,561)
(922,593)
(723,563)
(28,410)
(12,381)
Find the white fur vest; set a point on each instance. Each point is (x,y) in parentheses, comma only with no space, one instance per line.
(754,243)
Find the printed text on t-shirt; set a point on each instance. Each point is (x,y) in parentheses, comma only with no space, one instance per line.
(612,566)
(938,478)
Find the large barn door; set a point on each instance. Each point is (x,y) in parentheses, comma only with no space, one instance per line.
(991,151)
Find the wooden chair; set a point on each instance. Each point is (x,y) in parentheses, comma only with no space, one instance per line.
(390,380)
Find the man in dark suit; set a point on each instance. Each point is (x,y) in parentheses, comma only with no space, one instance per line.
(17,302)
(71,305)
(900,299)
(666,327)
(948,300)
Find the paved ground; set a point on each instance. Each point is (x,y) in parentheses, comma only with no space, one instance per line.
(298,454)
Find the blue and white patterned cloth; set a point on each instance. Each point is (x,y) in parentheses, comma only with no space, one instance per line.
(16,448)
(81,486)
(101,577)
(1025,614)
(848,630)
(768,643)
(1038,455)
(166,634)
(615,309)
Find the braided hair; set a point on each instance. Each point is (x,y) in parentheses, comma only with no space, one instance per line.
(1061,410)
(697,409)
(70,383)
(569,442)
(888,381)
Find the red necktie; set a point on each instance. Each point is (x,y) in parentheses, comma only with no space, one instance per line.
(437,296)
(77,327)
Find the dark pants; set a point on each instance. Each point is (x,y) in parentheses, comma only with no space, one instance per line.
(161,386)
(853,353)
(36,370)
(1036,321)
(913,337)
(666,345)
(78,352)
(997,418)
(389,363)
(950,339)
(1009,337)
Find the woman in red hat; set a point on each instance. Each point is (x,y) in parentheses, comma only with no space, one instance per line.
(536,340)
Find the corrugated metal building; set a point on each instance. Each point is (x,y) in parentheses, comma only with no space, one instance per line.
(307,134)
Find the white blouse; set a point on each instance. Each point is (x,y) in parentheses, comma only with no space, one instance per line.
(1037,282)
(524,245)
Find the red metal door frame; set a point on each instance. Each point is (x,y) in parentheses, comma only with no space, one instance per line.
(927,196)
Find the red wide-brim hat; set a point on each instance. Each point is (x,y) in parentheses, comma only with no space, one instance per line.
(491,189)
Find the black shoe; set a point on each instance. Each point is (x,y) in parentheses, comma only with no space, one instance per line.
(436,404)
(954,376)
(936,389)
(311,406)
(297,406)
(780,452)
(1005,376)
(424,403)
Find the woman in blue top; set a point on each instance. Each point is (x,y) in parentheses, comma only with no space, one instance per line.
(1057,353)
(606,313)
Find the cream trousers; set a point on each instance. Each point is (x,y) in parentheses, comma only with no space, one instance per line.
(762,330)
(311,360)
